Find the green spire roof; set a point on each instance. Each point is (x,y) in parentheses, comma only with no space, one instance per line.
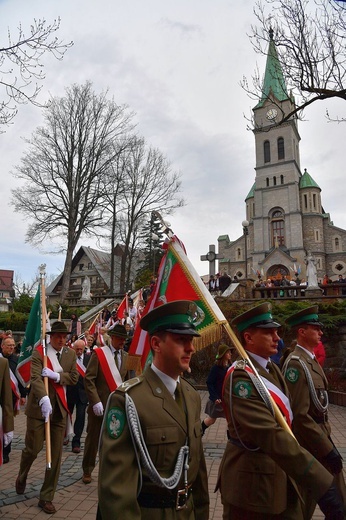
(251,192)
(306,181)
(274,83)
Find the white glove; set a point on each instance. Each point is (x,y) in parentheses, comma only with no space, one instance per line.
(8,438)
(47,372)
(98,409)
(46,407)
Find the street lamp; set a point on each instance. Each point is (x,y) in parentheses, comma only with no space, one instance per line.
(245,225)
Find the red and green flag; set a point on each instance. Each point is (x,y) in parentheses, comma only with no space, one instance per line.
(32,339)
(178,280)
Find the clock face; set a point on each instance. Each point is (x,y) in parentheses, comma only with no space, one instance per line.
(271,114)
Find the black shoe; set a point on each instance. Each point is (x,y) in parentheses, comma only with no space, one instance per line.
(20,486)
(5,459)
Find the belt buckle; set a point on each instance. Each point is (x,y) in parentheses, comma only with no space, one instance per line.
(181,502)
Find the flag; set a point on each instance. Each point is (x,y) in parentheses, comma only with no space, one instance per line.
(178,280)
(123,306)
(96,324)
(32,338)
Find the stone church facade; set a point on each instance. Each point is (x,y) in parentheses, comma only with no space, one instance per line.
(284,211)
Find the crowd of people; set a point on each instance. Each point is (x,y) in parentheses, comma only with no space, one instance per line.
(148,429)
(219,283)
(82,369)
(279,286)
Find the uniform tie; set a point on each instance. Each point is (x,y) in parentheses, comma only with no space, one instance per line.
(117,359)
(270,368)
(58,356)
(179,396)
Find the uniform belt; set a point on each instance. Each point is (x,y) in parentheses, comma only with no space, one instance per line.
(244,445)
(157,501)
(321,419)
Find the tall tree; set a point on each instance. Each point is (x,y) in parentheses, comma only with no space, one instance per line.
(21,68)
(152,251)
(310,38)
(64,167)
(148,184)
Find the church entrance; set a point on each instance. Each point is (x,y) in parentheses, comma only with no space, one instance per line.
(276,272)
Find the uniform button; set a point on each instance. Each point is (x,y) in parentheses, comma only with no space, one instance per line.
(163,438)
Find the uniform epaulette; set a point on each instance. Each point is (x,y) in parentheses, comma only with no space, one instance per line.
(240,363)
(127,385)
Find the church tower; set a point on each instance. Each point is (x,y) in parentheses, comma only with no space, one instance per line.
(285,219)
(273,204)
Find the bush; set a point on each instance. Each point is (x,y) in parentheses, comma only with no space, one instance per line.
(13,321)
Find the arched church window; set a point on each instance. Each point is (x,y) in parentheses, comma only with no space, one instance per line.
(266,149)
(281,179)
(274,180)
(267,181)
(336,244)
(277,228)
(305,201)
(239,255)
(281,148)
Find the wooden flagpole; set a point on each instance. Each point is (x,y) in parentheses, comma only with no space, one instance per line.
(241,351)
(42,269)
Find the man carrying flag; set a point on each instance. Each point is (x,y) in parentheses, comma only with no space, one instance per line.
(263,462)
(61,371)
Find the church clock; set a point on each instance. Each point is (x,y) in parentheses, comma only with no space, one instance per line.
(271,114)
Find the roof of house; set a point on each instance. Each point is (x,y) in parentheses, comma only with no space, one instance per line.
(100,260)
(6,280)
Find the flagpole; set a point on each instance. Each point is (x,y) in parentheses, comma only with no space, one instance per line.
(42,270)
(233,337)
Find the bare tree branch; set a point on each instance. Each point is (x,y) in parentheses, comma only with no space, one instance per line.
(64,168)
(21,68)
(310,38)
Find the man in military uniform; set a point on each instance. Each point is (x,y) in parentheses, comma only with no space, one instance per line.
(76,395)
(141,478)
(61,371)
(106,370)
(308,385)
(263,462)
(6,407)
(18,391)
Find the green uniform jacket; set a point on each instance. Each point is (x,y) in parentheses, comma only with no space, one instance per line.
(313,436)
(69,376)
(164,429)
(259,480)
(6,396)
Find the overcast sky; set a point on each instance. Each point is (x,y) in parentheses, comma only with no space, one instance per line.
(177,65)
